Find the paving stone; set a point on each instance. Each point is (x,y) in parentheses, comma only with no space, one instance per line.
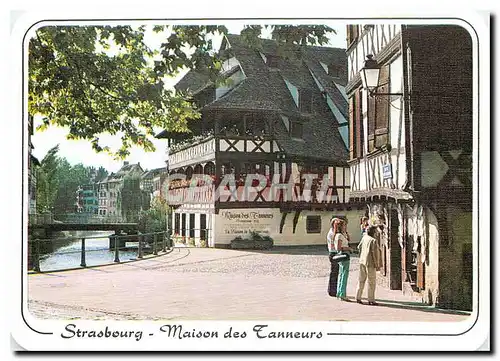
(216,284)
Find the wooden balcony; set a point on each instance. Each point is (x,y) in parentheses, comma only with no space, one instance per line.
(198,152)
(239,196)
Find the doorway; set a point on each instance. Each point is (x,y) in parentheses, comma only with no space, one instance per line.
(192,225)
(183,225)
(203,228)
(396,275)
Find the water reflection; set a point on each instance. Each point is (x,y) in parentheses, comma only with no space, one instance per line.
(97,253)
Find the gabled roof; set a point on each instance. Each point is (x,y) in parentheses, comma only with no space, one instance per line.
(265,89)
(124,171)
(105,179)
(153,172)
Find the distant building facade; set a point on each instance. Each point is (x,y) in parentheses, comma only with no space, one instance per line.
(90,199)
(151,182)
(110,188)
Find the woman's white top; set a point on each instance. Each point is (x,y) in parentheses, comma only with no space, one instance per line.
(343,241)
(330,241)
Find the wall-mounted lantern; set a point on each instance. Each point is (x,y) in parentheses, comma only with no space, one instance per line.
(370,74)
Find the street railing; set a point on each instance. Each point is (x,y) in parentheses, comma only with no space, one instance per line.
(157,242)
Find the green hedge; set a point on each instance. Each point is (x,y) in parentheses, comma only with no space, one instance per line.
(255,241)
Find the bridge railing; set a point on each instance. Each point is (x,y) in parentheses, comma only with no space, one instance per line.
(152,243)
(48,218)
(87,218)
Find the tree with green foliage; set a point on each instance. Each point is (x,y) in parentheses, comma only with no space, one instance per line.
(154,219)
(47,181)
(101,173)
(70,178)
(58,181)
(97,79)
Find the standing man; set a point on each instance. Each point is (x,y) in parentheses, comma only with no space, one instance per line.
(368,265)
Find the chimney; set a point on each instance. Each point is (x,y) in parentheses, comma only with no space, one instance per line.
(125,162)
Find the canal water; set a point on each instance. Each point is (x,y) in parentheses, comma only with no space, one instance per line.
(68,255)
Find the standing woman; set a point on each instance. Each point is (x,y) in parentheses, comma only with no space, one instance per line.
(334,266)
(341,241)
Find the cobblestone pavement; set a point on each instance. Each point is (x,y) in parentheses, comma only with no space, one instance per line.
(216,284)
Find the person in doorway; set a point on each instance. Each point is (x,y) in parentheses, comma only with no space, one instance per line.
(341,242)
(332,252)
(368,265)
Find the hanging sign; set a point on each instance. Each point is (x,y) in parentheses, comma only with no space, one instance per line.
(387,171)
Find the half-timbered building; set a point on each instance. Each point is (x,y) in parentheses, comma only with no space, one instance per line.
(279,116)
(411,153)
(33,164)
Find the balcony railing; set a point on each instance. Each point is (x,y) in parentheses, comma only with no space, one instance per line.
(199,151)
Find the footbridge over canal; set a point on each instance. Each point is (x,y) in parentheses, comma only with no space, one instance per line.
(58,227)
(47,229)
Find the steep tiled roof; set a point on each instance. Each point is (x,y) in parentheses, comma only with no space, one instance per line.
(153,172)
(327,82)
(264,88)
(193,82)
(125,170)
(105,179)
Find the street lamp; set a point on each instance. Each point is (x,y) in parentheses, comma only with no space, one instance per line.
(370,74)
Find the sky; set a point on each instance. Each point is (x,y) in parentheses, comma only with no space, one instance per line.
(80,151)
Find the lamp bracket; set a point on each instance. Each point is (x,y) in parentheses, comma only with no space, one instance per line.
(374,93)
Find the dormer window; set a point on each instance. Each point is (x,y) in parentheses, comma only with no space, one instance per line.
(286,122)
(305,100)
(272,61)
(334,70)
(294,92)
(296,129)
(234,76)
